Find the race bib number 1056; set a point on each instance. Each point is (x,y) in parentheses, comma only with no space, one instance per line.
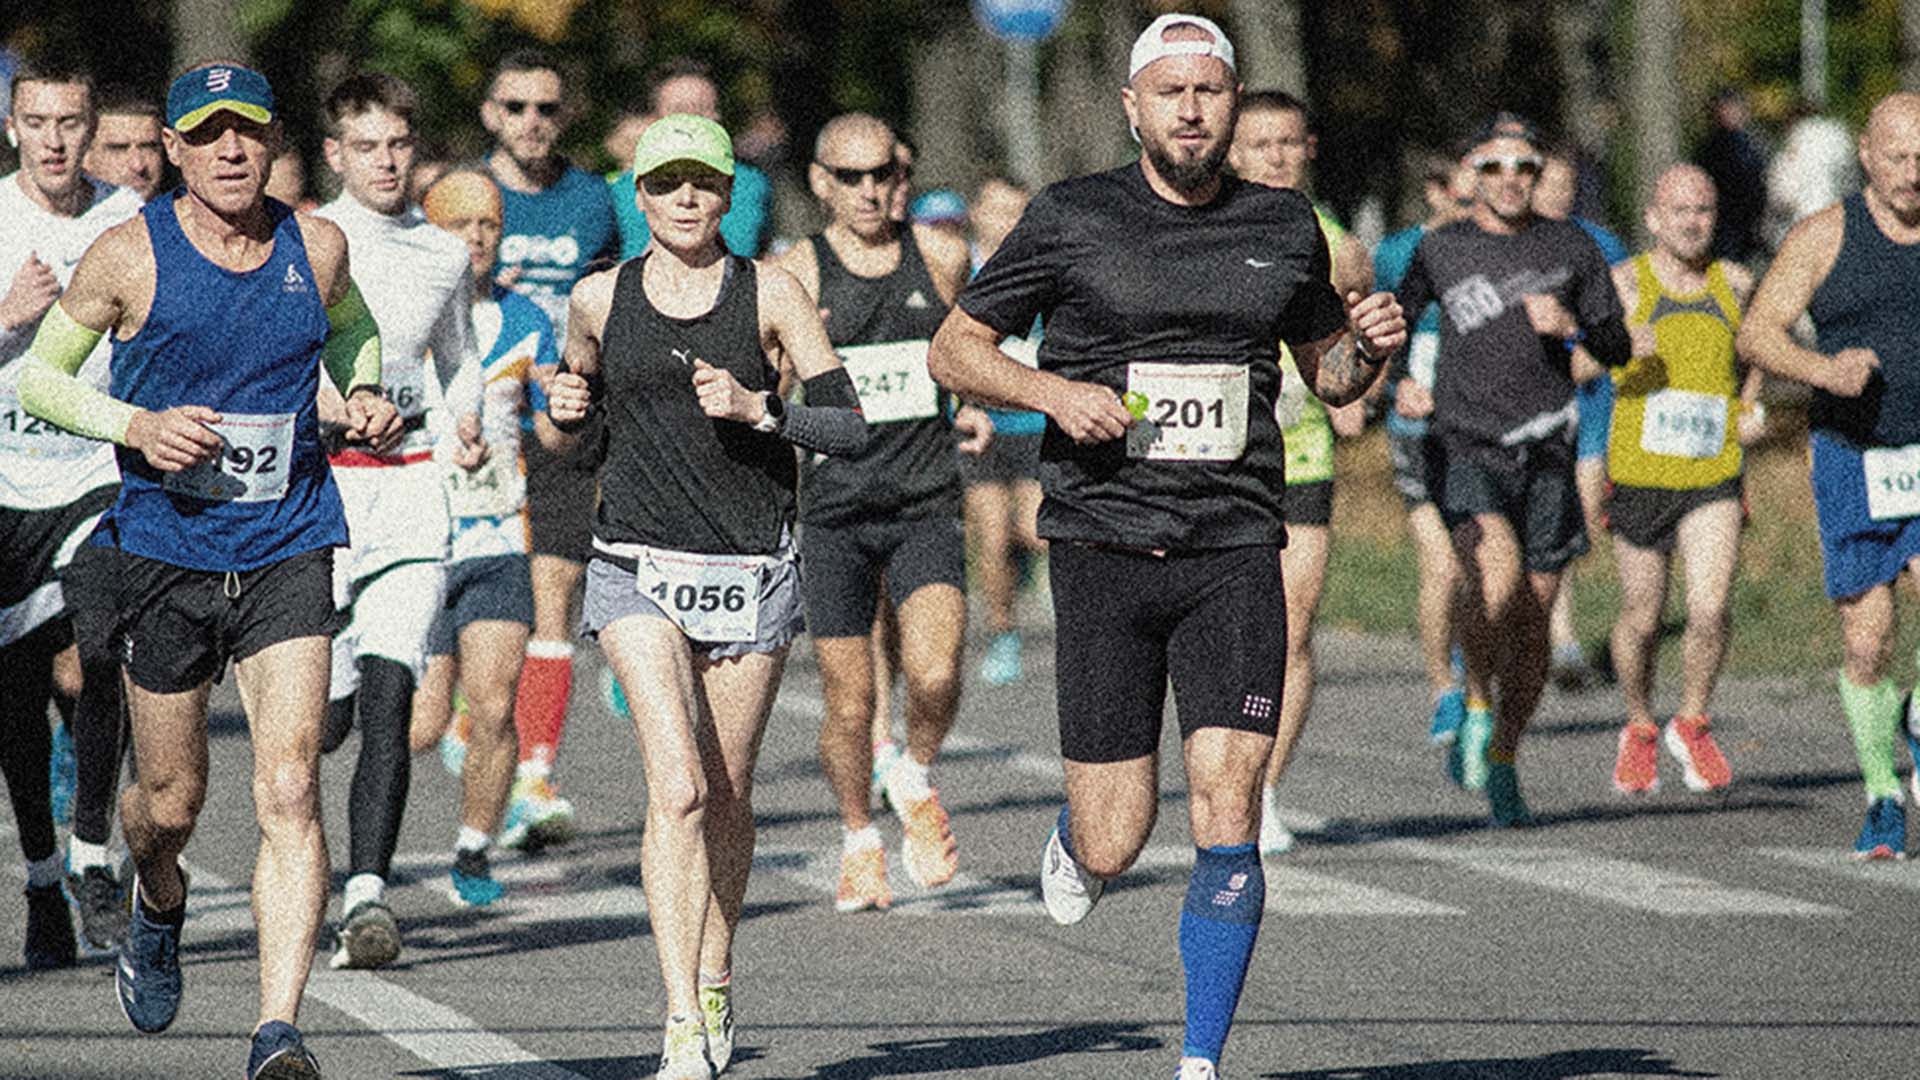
(256,451)
(710,597)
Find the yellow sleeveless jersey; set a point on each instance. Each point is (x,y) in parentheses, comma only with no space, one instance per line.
(1304,426)
(1674,414)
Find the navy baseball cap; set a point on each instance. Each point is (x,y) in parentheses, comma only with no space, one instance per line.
(1508,125)
(203,91)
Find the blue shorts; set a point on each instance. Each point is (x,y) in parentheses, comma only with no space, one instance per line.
(1594,398)
(1860,553)
(489,588)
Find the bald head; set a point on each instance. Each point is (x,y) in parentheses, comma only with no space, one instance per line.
(856,174)
(1890,155)
(1680,217)
(852,131)
(1683,182)
(467,204)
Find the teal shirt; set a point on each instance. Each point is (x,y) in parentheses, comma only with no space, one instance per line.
(743,229)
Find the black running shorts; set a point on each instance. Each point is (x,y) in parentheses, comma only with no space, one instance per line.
(842,568)
(1649,518)
(1530,485)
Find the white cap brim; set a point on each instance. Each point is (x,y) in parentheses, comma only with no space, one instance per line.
(1152,45)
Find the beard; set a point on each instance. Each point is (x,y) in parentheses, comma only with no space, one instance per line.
(1185,175)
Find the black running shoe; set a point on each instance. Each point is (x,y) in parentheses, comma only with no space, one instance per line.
(279,1054)
(49,929)
(147,976)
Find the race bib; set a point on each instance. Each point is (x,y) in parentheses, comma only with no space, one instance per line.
(406,385)
(1192,412)
(1893,482)
(253,462)
(1685,424)
(496,489)
(710,597)
(892,380)
(1423,352)
(24,435)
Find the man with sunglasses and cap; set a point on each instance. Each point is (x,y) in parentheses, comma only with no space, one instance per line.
(225,308)
(1527,306)
(1172,283)
(559,221)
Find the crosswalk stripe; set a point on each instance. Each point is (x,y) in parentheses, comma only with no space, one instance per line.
(1900,874)
(1295,892)
(1616,881)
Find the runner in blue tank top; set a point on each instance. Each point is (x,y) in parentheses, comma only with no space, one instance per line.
(1855,269)
(223,306)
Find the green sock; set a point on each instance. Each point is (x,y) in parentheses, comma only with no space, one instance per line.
(1873,712)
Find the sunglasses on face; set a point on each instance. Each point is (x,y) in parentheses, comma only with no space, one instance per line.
(660,184)
(548,109)
(1519,164)
(880,174)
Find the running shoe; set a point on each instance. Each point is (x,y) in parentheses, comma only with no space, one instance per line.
(1467,753)
(1503,796)
(927,847)
(473,883)
(63,775)
(885,756)
(1884,834)
(146,978)
(863,881)
(102,904)
(1069,891)
(1001,666)
(1911,729)
(1449,709)
(536,817)
(1275,837)
(1636,767)
(716,1010)
(453,743)
(368,937)
(279,1053)
(683,1052)
(1196,1068)
(49,929)
(1691,743)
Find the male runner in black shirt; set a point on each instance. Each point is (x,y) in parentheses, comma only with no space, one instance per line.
(1172,284)
(1524,301)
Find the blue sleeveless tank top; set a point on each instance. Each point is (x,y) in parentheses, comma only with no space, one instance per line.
(246,345)
(1871,300)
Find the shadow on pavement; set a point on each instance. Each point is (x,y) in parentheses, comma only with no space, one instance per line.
(1563,1065)
(936,1055)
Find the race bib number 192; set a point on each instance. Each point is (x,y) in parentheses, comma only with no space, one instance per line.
(1893,482)
(256,451)
(1193,412)
(710,597)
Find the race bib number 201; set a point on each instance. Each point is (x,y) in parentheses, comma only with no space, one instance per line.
(1187,412)
(1893,482)
(710,597)
(256,451)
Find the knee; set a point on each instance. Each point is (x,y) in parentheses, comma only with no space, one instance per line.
(1638,620)
(286,792)
(1866,655)
(938,681)
(1224,815)
(490,706)
(172,806)
(680,795)
(1711,617)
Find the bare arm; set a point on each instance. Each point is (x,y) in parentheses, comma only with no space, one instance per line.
(1343,365)
(966,359)
(1766,332)
(570,390)
(1352,270)
(947,259)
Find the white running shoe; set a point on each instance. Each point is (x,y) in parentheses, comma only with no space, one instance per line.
(1275,838)
(1194,1068)
(716,1009)
(683,1052)
(1069,891)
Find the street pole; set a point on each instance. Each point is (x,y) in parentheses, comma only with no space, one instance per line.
(1813,52)
(1021,111)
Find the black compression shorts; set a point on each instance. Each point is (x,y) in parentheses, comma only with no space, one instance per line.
(842,568)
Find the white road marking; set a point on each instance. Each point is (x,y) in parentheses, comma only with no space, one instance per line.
(819,871)
(1903,874)
(1294,891)
(966,747)
(1615,881)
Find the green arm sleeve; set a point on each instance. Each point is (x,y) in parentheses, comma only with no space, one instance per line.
(50,390)
(352,352)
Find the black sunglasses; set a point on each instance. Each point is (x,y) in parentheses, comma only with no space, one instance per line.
(881,174)
(544,108)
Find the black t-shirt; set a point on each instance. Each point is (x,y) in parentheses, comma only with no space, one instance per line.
(1123,277)
(1498,381)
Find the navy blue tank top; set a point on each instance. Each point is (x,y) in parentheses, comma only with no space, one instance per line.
(246,345)
(1871,300)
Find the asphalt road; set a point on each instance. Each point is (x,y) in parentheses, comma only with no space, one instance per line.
(1674,936)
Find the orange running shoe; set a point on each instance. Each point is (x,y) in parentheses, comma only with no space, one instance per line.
(1636,767)
(1689,741)
(927,846)
(863,881)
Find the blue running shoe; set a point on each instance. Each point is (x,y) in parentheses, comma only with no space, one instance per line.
(63,775)
(1467,753)
(473,883)
(1001,666)
(1884,835)
(614,695)
(1449,709)
(1503,796)
(147,976)
(279,1054)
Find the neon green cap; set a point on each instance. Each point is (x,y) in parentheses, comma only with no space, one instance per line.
(683,137)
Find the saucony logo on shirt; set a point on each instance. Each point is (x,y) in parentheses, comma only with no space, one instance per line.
(1258,264)
(917,300)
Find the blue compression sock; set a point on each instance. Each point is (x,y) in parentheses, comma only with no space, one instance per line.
(1225,899)
(1066,832)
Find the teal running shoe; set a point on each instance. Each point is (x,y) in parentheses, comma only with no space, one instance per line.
(1449,709)
(1884,834)
(1503,796)
(1001,666)
(1467,753)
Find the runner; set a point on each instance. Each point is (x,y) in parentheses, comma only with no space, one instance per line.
(559,219)
(1274,144)
(389,583)
(1448,190)
(683,85)
(1522,297)
(693,591)
(1680,419)
(1854,268)
(53,487)
(224,308)
(480,632)
(126,148)
(888,516)
(1174,283)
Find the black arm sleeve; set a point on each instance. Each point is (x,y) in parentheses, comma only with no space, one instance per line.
(830,422)
(1599,313)
(1415,292)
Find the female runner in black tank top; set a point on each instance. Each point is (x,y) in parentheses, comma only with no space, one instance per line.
(683,349)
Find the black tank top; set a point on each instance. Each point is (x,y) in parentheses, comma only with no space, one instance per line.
(908,469)
(670,475)
(1871,300)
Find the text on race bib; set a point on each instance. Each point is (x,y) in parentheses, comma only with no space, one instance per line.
(892,381)
(710,597)
(1893,482)
(495,489)
(23,434)
(406,385)
(1193,412)
(256,452)
(1685,424)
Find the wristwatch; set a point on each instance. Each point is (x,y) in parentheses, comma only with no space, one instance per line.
(775,413)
